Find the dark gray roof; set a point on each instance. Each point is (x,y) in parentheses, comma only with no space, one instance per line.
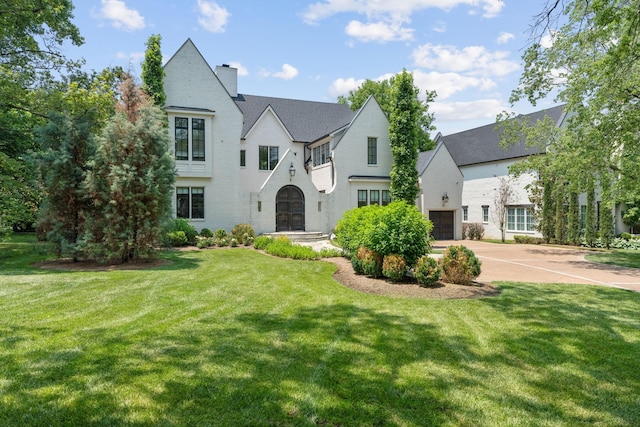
(306,121)
(423,159)
(482,144)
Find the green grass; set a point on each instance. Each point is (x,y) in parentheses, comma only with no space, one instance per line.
(233,337)
(621,257)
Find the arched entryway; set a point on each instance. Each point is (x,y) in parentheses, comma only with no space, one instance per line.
(290,209)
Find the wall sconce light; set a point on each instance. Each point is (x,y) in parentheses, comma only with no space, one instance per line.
(445,198)
(292,172)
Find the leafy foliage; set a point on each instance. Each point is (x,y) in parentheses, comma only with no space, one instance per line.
(262,241)
(241,232)
(153,72)
(460,265)
(181,224)
(370,262)
(284,248)
(398,228)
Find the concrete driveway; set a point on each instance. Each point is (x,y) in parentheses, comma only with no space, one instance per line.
(545,264)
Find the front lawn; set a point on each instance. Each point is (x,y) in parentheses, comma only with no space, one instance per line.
(621,257)
(232,337)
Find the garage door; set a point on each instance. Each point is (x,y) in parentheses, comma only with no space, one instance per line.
(442,224)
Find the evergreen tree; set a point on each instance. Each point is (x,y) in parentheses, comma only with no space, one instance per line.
(403,137)
(152,71)
(382,92)
(573,219)
(590,226)
(131,180)
(68,145)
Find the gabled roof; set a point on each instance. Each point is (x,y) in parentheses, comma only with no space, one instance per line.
(482,144)
(306,121)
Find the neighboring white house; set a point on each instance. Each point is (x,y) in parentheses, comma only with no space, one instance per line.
(277,164)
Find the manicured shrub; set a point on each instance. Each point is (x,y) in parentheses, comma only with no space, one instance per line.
(460,265)
(181,224)
(625,236)
(356,263)
(177,238)
(233,242)
(527,240)
(394,267)
(427,271)
(220,233)
(370,261)
(205,232)
(398,228)
(261,242)
(242,231)
(248,241)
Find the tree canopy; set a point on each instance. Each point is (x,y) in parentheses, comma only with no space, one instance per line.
(587,53)
(381,90)
(152,71)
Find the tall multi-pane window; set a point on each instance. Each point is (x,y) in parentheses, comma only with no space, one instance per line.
(465,213)
(374,197)
(190,202)
(182,138)
(321,154)
(197,139)
(184,145)
(267,157)
(372,151)
(362,198)
(485,214)
(386,197)
(520,219)
(243,158)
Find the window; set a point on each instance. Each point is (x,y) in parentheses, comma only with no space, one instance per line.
(485,214)
(321,154)
(197,139)
(190,202)
(267,157)
(374,197)
(182,138)
(243,158)
(372,151)
(520,219)
(465,213)
(362,198)
(386,197)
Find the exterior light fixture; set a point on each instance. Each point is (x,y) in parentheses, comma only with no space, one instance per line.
(292,172)
(445,198)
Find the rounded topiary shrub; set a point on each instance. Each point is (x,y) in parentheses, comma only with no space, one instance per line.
(371,262)
(426,271)
(394,267)
(220,233)
(205,232)
(177,238)
(459,265)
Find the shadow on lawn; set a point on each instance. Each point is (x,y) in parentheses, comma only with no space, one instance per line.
(579,352)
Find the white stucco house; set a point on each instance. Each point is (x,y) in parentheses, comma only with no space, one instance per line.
(277,164)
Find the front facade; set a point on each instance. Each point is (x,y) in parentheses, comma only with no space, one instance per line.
(277,164)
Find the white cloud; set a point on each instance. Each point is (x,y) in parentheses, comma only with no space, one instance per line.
(287,72)
(439,27)
(378,31)
(504,37)
(343,86)
(465,111)
(448,84)
(214,18)
(242,70)
(474,60)
(121,16)
(131,57)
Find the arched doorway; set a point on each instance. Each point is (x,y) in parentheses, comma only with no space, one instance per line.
(290,209)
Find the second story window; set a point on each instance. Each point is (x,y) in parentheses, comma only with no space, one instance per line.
(184,145)
(267,157)
(321,154)
(372,151)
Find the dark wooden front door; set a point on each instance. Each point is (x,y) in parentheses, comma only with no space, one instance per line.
(442,224)
(290,209)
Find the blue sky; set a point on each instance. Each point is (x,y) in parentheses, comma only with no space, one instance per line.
(468,51)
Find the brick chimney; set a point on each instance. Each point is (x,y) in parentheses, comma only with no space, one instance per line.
(228,76)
